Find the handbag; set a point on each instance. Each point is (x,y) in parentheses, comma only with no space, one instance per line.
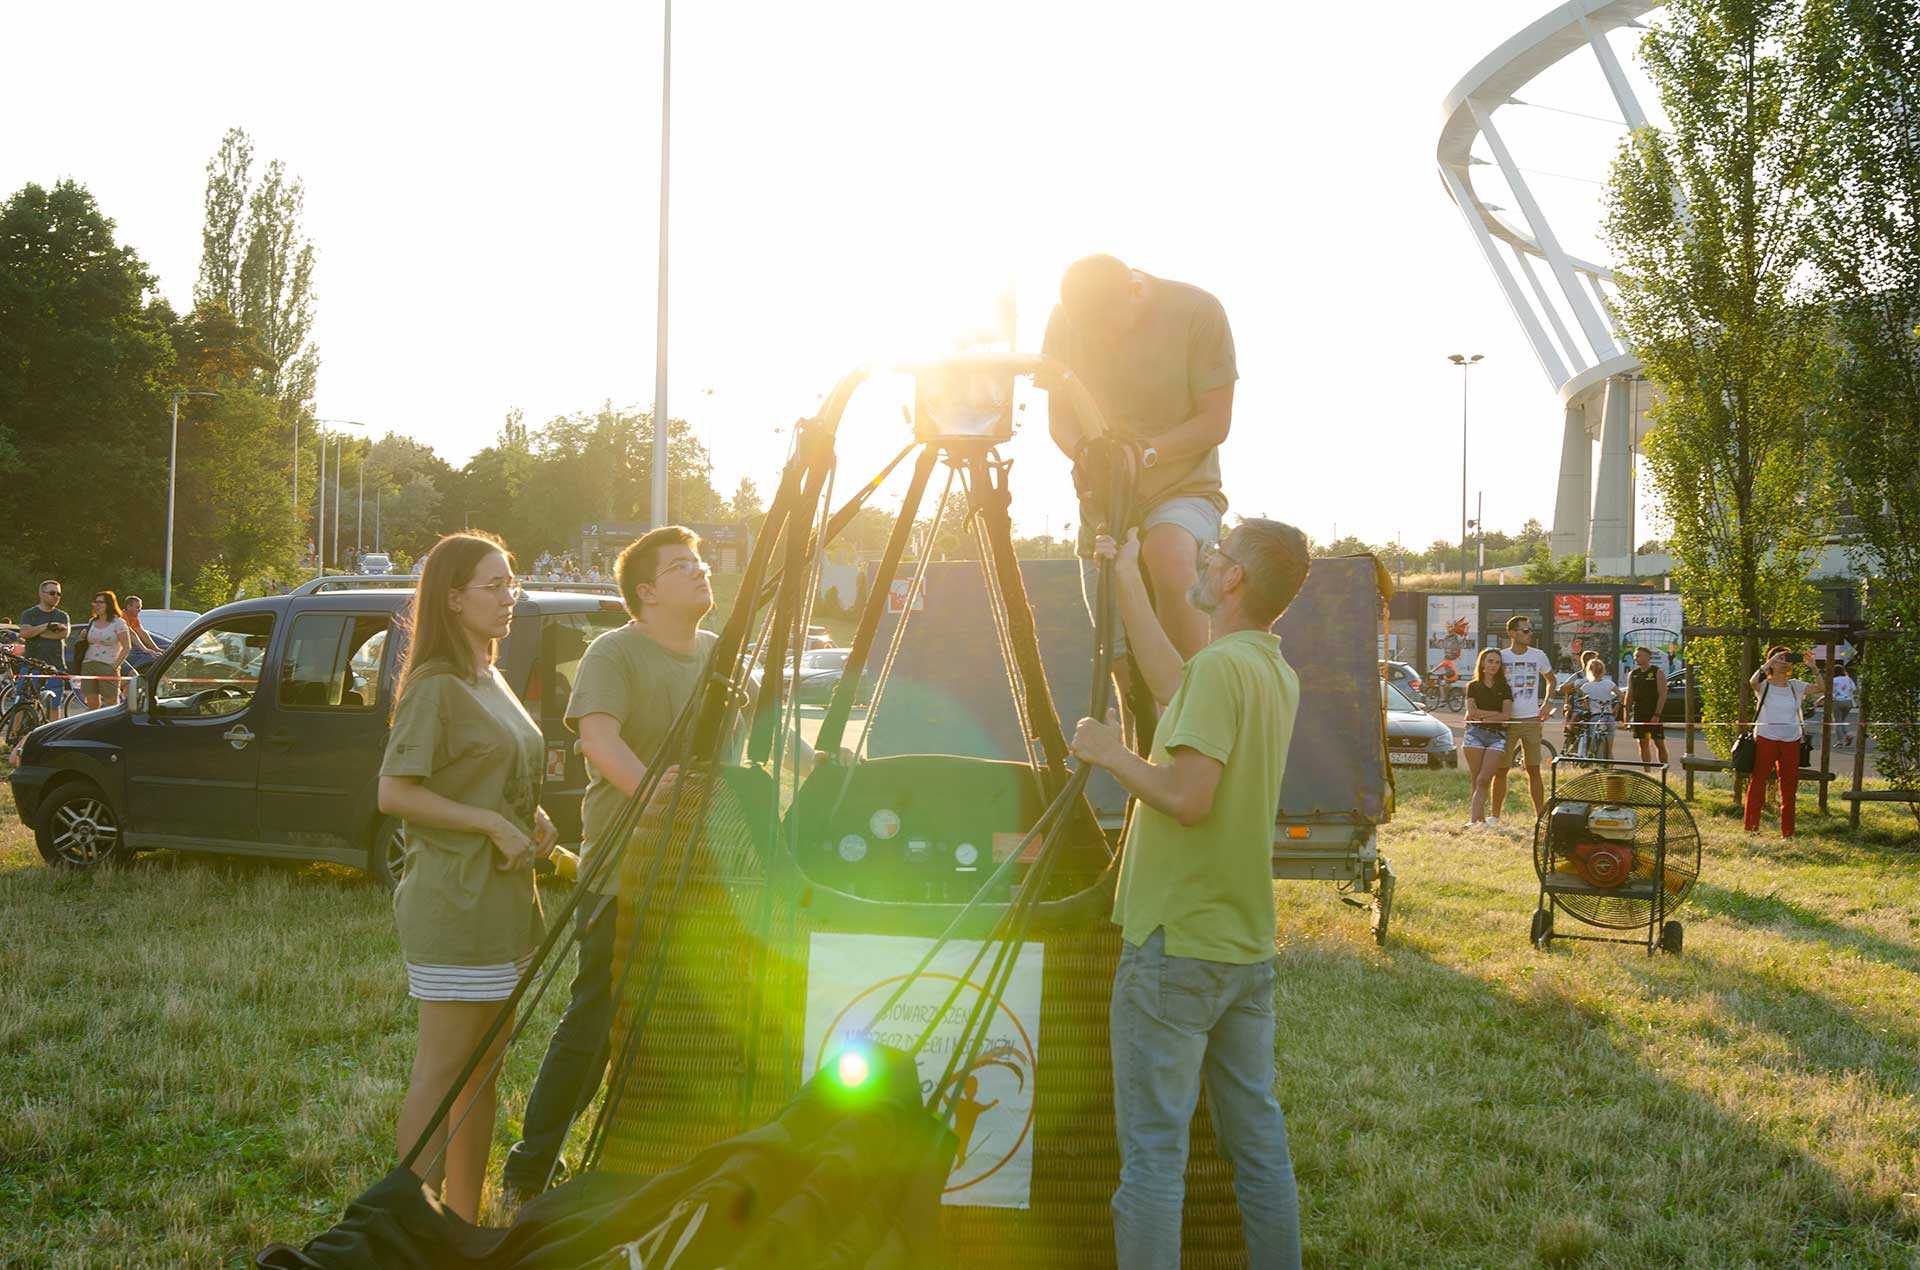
(1743,746)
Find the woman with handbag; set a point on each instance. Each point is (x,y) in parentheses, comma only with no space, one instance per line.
(1777,736)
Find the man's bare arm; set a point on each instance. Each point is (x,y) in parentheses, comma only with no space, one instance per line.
(1182,789)
(1063,425)
(607,750)
(1159,661)
(1211,421)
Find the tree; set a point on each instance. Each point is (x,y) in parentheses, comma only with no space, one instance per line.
(1710,227)
(1867,234)
(1347,546)
(235,508)
(85,363)
(745,505)
(256,261)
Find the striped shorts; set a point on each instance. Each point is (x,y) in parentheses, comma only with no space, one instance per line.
(465,983)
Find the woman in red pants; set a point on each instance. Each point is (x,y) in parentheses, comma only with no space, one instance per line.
(1776,736)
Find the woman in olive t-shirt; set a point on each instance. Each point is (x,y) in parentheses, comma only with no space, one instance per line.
(462,774)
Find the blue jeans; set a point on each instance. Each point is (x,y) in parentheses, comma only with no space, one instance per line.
(576,1057)
(1178,1021)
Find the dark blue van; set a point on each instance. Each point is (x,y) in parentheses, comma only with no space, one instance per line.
(260,732)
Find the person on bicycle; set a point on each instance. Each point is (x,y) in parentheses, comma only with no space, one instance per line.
(1596,702)
(44,627)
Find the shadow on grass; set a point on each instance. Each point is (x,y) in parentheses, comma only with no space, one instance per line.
(1795,921)
(1444,1119)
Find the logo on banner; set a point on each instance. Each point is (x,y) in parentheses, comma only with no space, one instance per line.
(1583,608)
(849,977)
(897,592)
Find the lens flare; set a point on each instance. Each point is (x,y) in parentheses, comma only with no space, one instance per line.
(852,1069)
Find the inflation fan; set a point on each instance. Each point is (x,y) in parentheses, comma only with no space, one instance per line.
(1615,848)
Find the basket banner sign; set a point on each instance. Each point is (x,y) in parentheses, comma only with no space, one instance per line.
(1583,608)
(898,593)
(1453,631)
(849,977)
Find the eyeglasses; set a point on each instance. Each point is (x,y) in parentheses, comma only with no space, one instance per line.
(49,590)
(1213,549)
(686,564)
(499,589)
(99,599)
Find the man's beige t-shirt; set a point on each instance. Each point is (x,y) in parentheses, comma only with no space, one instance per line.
(1147,379)
(643,685)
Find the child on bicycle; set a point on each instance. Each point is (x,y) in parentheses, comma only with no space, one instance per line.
(1594,706)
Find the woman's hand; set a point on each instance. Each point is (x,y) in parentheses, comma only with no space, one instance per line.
(510,842)
(545,836)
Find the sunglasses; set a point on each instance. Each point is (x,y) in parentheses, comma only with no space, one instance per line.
(1213,549)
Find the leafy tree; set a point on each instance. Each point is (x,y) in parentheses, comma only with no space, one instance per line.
(85,361)
(235,514)
(1867,235)
(1347,546)
(256,261)
(1544,569)
(1710,227)
(745,506)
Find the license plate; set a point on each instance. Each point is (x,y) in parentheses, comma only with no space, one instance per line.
(1403,758)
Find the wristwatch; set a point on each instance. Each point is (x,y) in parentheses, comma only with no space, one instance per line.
(1149,456)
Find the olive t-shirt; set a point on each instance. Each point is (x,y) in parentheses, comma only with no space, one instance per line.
(644,685)
(470,741)
(1147,378)
(1211,886)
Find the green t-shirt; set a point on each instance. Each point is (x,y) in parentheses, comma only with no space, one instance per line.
(626,674)
(472,742)
(1211,886)
(1146,379)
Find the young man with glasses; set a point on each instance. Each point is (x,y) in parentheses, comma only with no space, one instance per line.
(44,627)
(1193,993)
(1530,675)
(632,684)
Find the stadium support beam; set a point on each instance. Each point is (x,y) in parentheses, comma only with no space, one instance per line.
(1574,499)
(1613,493)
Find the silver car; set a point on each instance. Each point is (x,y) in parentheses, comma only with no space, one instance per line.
(1414,737)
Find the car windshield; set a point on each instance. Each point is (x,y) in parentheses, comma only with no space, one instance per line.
(824,659)
(1398,700)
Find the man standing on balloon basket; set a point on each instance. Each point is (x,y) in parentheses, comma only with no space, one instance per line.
(1157,358)
(1193,993)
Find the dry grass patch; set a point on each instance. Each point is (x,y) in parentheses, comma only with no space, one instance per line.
(198,1057)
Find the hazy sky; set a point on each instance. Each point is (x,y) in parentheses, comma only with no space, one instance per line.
(852,182)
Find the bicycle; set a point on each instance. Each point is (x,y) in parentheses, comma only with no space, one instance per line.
(32,709)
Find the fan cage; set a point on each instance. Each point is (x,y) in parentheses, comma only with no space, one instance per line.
(1666,829)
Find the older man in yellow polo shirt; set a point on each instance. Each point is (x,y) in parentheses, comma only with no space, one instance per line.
(1193,995)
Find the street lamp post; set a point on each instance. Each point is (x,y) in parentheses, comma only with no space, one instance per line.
(320,524)
(659,492)
(1464,362)
(173,463)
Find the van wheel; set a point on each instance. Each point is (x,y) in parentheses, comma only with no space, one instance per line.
(79,828)
(387,853)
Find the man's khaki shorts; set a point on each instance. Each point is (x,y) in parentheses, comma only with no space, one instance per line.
(1523,739)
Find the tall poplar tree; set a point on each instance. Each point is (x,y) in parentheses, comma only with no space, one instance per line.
(1710,222)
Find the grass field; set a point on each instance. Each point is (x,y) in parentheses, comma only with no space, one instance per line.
(199,1057)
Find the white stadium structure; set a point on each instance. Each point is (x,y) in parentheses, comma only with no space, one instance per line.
(1561,301)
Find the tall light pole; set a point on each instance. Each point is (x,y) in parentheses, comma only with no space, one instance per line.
(1465,363)
(320,524)
(660,315)
(173,463)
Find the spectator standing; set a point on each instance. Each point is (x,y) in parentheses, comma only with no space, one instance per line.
(1646,700)
(1193,993)
(1844,691)
(1777,730)
(130,610)
(1489,709)
(1530,675)
(462,774)
(44,627)
(103,650)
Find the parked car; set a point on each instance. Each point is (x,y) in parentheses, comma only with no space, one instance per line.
(376,563)
(260,732)
(820,672)
(1402,676)
(1414,737)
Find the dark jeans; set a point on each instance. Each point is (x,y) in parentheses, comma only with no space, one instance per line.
(1179,1023)
(576,1057)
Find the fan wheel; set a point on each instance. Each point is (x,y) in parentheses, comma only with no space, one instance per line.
(1541,933)
(1656,806)
(1671,936)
